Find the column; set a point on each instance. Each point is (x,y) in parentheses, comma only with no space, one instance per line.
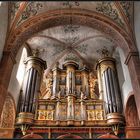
(58,109)
(83,109)
(70,84)
(85,84)
(34,73)
(111,92)
(100,84)
(56,78)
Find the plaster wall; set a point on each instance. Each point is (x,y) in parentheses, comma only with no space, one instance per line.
(15,85)
(137,23)
(123,77)
(3,25)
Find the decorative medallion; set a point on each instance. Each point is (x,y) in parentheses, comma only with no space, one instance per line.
(82,48)
(104,52)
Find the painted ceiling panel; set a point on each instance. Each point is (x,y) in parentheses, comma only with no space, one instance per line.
(80,44)
(14,7)
(106,8)
(127,7)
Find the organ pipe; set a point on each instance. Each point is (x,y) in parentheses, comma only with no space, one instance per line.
(34,72)
(112,96)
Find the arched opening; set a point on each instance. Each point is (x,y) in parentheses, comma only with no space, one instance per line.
(132,119)
(61,17)
(32,136)
(69,136)
(41,22)
(107,136)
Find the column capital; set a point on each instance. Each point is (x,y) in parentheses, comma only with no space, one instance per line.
(129,56)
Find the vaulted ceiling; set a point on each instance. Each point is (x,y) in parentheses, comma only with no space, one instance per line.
(80,43)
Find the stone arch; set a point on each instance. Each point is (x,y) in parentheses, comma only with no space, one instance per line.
(8,113)
(79,16)
(32,136)
(108,136)
(61,17)
(131,113)
(69,136)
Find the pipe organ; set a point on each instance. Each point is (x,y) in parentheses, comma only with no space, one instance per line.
(74,103)
(70,96)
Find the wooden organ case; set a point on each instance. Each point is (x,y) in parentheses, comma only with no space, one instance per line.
(70,102)
(70,97)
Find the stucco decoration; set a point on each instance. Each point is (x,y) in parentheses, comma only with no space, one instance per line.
(8,113)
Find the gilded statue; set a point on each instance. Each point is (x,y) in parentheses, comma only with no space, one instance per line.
(46,88)
(92,84)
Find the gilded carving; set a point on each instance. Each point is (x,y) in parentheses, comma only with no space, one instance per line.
(95,114)
(45,114)
(92,83)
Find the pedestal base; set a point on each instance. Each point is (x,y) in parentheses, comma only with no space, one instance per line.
(132,132)
(7,133)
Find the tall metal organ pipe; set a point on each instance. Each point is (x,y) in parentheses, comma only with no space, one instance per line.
(34,72)
(111,92)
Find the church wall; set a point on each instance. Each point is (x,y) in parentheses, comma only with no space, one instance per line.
(124,77)
(3,25)
(14,85)
(137,23)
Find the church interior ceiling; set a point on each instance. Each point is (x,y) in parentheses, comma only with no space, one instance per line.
(75,41)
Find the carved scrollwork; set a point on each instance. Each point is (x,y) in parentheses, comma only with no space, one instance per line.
(95,114)
(45,114)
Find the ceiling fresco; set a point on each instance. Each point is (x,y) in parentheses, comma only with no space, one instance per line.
(117,11)
(79,43)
